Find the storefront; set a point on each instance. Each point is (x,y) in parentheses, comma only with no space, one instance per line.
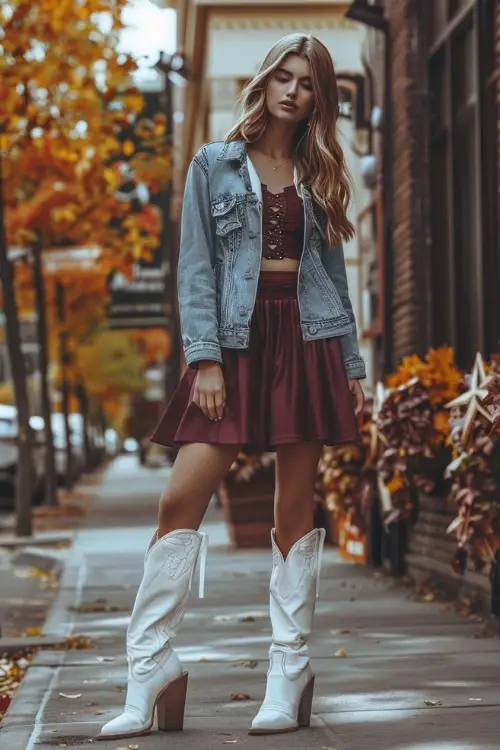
(442,257)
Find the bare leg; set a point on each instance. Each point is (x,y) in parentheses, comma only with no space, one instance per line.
(296,467)
(198,470)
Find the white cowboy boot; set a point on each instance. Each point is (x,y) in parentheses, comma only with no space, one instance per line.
(293,592)
(155,676)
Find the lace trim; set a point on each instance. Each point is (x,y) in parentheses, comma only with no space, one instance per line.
(273,227)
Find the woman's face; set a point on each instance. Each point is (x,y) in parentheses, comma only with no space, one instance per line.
(289,93)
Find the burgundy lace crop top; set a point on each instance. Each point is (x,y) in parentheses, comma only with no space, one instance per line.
(282,224)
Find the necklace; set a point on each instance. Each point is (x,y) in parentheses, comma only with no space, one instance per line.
(278,166)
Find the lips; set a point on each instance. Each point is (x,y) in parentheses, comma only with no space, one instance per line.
(289,105)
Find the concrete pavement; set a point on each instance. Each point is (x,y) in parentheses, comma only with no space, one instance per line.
(391,673)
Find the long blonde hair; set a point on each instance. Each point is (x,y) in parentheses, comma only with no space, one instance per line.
(318,155)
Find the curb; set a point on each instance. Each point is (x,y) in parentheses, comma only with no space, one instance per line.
(38,540)
(21,723)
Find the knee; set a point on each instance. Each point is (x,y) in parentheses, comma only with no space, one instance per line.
(170,502)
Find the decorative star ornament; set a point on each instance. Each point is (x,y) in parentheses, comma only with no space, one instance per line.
(381,393)
(473,398)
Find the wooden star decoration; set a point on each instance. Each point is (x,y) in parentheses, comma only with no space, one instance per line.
(473,398)
(376,437)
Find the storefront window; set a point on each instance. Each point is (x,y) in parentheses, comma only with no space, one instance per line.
(463,166)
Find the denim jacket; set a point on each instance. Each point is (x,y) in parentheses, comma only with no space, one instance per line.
(220,258)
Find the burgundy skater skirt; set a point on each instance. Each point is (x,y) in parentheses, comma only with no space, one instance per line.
(281,389)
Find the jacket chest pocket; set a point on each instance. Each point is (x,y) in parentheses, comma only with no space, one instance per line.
(227,217)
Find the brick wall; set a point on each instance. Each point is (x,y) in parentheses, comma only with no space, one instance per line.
(498,87)
(409,209)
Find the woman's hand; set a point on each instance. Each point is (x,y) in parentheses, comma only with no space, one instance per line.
(358,396)
(210,390)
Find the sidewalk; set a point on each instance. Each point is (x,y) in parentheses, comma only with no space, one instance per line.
(400,653)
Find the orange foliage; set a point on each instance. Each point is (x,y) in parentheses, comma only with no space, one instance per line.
(61,114)
(436,372)
(154,344)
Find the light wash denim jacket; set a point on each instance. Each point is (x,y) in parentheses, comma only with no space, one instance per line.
(220,258)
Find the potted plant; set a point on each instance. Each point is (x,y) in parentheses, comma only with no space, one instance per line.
(247,500)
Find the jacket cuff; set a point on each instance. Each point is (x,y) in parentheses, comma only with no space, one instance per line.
(202,350)
(355,369)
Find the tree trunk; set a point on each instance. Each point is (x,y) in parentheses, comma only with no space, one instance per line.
(169,241)
(24,519)
(63,361)
(50,463)
(84,411)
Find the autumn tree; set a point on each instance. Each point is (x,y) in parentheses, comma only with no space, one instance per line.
(65,97)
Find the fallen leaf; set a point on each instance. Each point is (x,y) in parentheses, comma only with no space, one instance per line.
(33,632)
(248,663)
(341,653)
(93,703)
(98,713)
(433,703)
(247,618)
(240,697)
(71,697)
(429,597)
(119,688)
(78,643)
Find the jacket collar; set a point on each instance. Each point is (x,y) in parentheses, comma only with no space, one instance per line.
(237,151)
(233,151)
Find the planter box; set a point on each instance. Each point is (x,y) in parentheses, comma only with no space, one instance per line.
(431,551)
(249,509)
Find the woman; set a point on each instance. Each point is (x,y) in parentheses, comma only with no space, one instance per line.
(273,364)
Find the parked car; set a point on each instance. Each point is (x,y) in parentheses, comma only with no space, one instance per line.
(9,456)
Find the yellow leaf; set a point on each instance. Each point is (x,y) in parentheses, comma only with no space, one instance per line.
(128,148)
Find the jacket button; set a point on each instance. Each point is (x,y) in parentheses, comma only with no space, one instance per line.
(249,188)
(252,235)
(242,311)
(248,275)
(313,330)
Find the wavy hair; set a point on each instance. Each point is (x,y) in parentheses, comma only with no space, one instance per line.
(318,155)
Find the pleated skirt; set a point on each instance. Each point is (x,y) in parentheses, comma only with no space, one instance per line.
(280,390)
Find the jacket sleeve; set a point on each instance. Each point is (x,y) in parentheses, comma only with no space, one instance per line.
(195,270)
(334,263)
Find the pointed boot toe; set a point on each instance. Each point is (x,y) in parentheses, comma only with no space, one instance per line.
(125,725)
(273,720)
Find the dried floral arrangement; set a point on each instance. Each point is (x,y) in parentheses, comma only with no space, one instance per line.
(247,465)
(414,427)
(342,475)
(475,472)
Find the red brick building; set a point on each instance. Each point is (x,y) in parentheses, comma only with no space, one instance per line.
(440,168)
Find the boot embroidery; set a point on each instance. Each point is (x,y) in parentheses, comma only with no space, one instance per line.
(181,557)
